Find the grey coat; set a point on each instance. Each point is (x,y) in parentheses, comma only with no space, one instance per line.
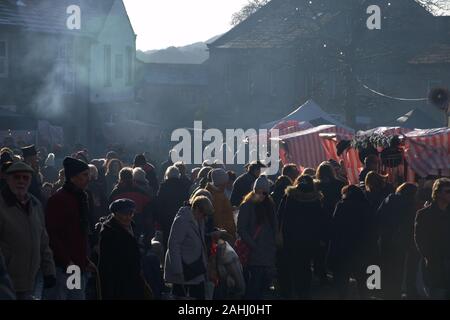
(186,244)
(24,242)
(263,247)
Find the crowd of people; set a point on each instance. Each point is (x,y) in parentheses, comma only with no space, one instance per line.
(135,232)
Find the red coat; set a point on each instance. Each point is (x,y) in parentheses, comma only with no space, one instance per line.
(67,239)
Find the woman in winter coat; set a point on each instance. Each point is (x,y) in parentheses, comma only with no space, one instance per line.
(302,219)
(331,188)
(186,257)
(119,264)
(223,211)
(171,197)
(395,220)
(257,227)
(376,190)
(348,245)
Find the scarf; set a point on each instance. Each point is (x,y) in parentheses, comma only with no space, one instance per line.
(83,202)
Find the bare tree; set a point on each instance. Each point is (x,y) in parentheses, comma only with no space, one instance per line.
(436,7)
(250,8)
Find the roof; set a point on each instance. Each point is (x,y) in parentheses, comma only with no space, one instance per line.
(285,23)
(282,18)
(50,16)
(310,112)
(175,74)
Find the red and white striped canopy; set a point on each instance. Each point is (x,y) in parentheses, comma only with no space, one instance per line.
(428,151)
(305,148)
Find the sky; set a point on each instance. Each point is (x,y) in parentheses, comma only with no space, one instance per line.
(163,23)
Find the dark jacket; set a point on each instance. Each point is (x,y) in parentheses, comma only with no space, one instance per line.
(68,238)
(262,247)
(170,199)
(331,191)
(119,263)
(36,187)
(111,182)
(349,239)
(395,224)
(241,187)
(6,288)
(163,168)
(432,236)
(280,190)
(302,219)
(50,174)
(187,183)
(150,175)
(376,198)
(99,201)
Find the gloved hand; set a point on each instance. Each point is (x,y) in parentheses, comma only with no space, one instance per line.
(49,281)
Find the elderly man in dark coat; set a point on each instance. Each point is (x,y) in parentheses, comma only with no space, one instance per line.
(24,241)
(119,265)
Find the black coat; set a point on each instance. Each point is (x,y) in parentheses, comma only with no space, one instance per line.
(119,264)
(432,236)
(36,187)
(331,191)
(395,223)
(302,220)
(171,196)
(50,174)
(241,187)
(350,235)
(279,191)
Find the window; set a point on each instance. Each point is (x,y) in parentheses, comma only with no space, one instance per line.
(119,66)
(4,63)
(107,66)
(129,55)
